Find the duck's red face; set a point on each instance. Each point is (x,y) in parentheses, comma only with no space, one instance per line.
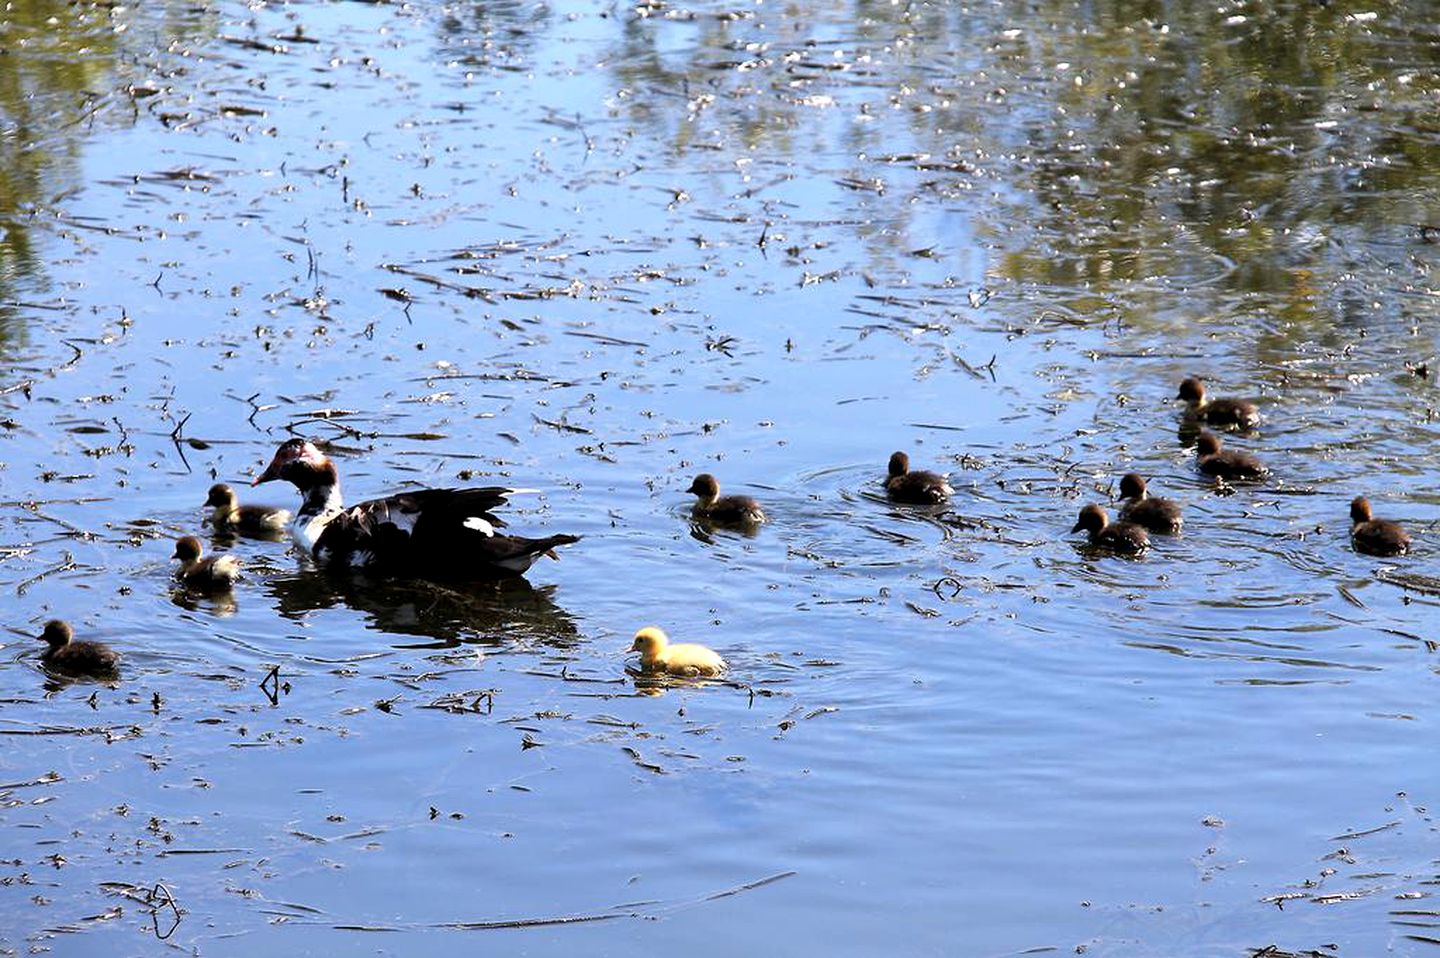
(290,453)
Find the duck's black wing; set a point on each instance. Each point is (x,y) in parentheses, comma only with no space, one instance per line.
(432,531)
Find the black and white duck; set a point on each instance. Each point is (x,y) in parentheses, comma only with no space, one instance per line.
(425,533)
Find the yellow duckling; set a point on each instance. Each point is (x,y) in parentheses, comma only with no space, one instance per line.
(657,654)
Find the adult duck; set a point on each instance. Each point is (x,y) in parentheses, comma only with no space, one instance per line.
(434,533)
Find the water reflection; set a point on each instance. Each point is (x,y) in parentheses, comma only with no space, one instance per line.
(1265,134)
(499,34)
(960,661)
(69,68)
(499,613)
(220,605)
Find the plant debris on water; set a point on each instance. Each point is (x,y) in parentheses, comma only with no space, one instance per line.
(597,251)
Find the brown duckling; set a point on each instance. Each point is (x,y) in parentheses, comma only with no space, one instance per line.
(734,510)
(1123,537)
(658,654)
(1226,464)
(1151,512)
(918,487)
(1376,537)
(1227,413)
(230,516)
(207,576)
(76,658)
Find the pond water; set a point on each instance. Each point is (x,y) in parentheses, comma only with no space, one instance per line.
(597,249)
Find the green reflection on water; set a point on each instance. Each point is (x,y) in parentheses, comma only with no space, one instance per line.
(1259,133)
(65,69)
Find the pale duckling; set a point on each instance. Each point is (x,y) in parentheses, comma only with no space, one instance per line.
(1237,413)
(1123,537)
(731,510)
(658,654)
(76,658)
(918,487)
(207,576)
(229,516)
(1226,464)
(1376,537)
(1154,513)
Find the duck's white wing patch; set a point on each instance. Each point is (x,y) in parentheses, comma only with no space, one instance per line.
(479,525)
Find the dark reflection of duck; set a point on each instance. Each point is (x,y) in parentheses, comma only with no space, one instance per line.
(218,604)
(1376,537)
(76,658)
(498,610)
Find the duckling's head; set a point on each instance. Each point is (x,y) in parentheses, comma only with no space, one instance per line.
(1092,519)
(899,464)
(705,486)
(187,549)
(1360,509)
(650,641)
(1208,444)
(221,495)
(1132,486)
(1191,390)
(57,633)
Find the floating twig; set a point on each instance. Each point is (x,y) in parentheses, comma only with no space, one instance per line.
(155,909)
(562,426)
(68,565)
(270,685)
